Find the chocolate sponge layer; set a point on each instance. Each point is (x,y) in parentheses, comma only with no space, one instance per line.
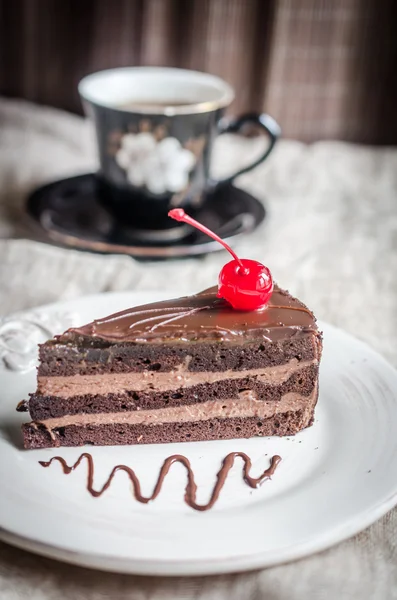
(287,423)
(65,359)
(45,407)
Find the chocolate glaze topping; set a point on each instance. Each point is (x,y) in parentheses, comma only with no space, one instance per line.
(191,487)
(202,317)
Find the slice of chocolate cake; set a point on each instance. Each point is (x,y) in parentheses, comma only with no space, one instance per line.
(181,370)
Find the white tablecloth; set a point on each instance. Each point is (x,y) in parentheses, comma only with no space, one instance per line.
(330,237)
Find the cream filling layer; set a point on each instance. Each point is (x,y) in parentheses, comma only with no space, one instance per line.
(246,405)
(149,381)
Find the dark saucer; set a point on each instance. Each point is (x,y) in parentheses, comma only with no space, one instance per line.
(70,214)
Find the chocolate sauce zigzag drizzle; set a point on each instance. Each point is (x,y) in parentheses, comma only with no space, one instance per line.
(191,487)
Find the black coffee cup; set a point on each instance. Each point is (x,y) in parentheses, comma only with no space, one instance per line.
(155,130)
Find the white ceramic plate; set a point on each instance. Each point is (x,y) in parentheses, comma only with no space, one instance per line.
(335,478)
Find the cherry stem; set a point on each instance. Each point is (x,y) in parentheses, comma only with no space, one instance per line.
(179,215)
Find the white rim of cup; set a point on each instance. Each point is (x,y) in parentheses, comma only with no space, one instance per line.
(225,90)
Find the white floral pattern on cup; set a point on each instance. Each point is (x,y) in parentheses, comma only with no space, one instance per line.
(159,165)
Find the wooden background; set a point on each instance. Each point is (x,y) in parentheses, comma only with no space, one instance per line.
(322,68)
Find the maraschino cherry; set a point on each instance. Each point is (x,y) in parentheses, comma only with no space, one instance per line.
(245,284)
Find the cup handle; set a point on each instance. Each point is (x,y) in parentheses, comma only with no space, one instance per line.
(266,123)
